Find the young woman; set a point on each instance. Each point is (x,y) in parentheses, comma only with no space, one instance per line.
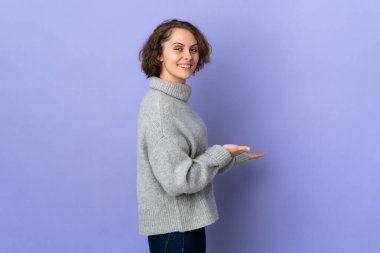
(175,164)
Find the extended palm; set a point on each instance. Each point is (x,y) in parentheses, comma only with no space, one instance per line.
(237,150)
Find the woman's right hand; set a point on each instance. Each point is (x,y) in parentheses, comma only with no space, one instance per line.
(236,150)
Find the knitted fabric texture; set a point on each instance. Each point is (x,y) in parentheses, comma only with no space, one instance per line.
(175,165)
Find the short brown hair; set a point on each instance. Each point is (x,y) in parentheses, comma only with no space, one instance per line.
(152,48)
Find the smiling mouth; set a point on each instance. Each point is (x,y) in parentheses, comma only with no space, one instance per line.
(185,66)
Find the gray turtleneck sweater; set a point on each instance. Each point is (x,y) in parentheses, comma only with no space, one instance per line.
(175,165)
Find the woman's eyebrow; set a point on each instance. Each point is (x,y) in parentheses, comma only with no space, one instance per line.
(196,44)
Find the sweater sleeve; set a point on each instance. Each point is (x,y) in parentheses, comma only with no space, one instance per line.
(235,161)
(178,173)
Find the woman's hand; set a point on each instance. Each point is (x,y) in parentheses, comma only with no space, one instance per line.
(236,150)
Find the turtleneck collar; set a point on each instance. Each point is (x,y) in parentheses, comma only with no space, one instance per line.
(177,90)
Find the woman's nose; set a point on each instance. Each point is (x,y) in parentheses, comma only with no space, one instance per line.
(187,55)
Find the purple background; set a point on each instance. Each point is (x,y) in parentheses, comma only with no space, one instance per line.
(298,80)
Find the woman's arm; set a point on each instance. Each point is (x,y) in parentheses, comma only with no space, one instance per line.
(178,173)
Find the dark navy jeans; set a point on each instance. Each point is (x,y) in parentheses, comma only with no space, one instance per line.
(193,241)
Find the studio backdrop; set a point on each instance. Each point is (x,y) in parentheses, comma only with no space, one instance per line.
(298,80)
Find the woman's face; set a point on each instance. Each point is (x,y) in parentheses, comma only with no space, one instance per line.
(179,56)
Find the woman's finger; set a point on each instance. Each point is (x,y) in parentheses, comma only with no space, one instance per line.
(256,155)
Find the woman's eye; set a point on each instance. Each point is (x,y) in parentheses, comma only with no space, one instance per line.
(178,49)
(194,50)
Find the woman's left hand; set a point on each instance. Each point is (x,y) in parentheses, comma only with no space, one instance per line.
(255,155)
